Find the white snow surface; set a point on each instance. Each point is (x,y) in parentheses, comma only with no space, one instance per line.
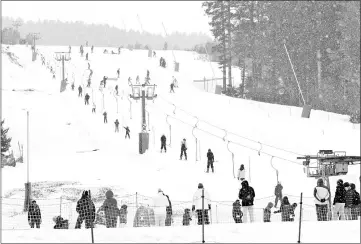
(61,126)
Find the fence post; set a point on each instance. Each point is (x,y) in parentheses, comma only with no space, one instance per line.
(217,213)
(60,204)
(299,229)
(136,200)
(202,215)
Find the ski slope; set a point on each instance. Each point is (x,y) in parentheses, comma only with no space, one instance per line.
(64,133)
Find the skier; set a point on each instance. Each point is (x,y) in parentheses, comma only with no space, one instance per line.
(175,82)
(129,81)
(34,215)
(86,210)
(267,212)
(163,141)
(87,99)
(154,54)
(105,80)
(197,204)
(241,174)
(111,210)
(116,125)
(137,80)
(186,217)
(160,203)
(278,193)
(321,194)
(210,161)
(339,201)
(105,117)
(161,61)
(183,149)
(88,65)
(287,210)
(116,90)
(118,72)
(72,86)
(127,131)
(148,73)
(89,83)
(247,194)
(86,56)
(236,212)
(92,48)
(80,89)
(171,87)
(94,107)
(69,49)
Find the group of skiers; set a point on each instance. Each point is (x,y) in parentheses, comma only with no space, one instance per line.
(346,203)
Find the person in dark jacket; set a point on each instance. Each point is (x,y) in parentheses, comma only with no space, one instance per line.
(116,90)
(60,223)
(123,212)
(169,212)
(116,123)
(86,210)
(339,201)
(127,131)
(278,193)
(183,149)
(247,195)
(86,56)
(210,160)
(111,210)
(287,210)
(105,114)
(92,49)
(237,212)
(34,215)
(171,87)
(118,72)
(80,89)
(86,98)
(352,201)
(267,212)
(163,141)
(186,217)
(72,86)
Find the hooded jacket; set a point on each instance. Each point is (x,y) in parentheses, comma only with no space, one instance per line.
(110,206)
(246,194)
(236,211)
(321,193)
(340,194)
(287,210)
(85,207)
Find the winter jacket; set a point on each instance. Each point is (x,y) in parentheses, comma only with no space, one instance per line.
(61,223)
(85,208)
(321,192)
(34,212)
(123,212)
(287,212)
(197,199)
(110,206)
(278,190)
(246,194)
(210,156)
(160,204)
(163,139)
(267,215)
(237,212)
(340,195)
(241,174)
(144,217)
(351,198)
(186,217)
(183,145)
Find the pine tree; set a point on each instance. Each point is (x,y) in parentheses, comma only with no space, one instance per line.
(5,140)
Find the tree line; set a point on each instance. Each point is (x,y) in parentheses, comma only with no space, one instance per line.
(323,41)
(55,32)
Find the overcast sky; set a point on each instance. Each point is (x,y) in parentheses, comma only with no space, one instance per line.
(183,16)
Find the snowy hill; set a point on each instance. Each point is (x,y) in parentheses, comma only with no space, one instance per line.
(64,133)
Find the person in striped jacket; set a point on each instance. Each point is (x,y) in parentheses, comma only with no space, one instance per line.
(322,195)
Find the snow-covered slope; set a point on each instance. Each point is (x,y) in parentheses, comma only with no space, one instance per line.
(64,133)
